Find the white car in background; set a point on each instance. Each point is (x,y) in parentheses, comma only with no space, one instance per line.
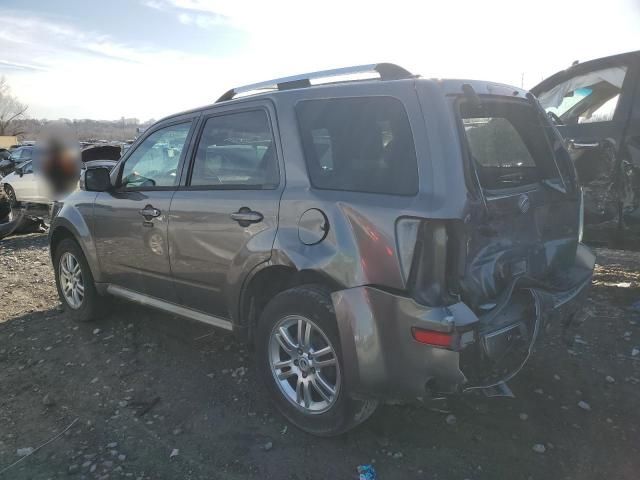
(23,185)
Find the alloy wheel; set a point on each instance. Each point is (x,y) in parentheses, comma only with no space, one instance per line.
(71,280)
(304,364)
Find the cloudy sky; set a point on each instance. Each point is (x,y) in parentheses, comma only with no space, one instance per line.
(150,58)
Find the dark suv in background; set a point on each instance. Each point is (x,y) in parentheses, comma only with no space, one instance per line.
(375,235)
(10,160)
(596,107)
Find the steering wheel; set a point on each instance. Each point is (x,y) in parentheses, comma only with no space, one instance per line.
(135,177)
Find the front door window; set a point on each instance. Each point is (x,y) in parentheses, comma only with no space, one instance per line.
(154,163)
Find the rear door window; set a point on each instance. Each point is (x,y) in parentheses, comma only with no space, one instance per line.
(507,143)
(236,150)
(359,144)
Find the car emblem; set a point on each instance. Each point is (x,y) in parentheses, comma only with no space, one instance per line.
(524,203)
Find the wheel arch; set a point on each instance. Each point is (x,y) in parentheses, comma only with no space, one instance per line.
(265,283)
(62,228)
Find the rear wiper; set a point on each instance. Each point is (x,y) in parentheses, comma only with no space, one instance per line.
(471,95)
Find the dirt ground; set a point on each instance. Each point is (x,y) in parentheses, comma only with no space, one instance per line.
(156,397)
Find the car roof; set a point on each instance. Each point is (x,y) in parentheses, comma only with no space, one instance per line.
(388,73)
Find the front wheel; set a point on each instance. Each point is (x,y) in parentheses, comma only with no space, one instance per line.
(75,282)
(300,362)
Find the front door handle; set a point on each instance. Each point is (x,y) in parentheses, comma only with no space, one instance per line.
(149,212)
(245,216)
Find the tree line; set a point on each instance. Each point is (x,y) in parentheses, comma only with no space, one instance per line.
(15,121)
(85,129)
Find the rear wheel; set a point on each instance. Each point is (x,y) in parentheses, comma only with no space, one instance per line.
(76,288)
(300,362)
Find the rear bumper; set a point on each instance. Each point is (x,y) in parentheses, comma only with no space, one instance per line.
(382,360)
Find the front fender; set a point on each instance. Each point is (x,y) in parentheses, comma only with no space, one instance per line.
(76,217)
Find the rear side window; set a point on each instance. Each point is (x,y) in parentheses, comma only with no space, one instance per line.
(507,143)
(359,144)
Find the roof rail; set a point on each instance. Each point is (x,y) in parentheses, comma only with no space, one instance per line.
(386,71)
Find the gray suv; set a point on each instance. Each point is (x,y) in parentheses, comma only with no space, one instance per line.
(375,235)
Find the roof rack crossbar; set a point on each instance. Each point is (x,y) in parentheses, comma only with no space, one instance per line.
(386,71)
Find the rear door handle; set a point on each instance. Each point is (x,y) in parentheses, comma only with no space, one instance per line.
(245,216)
(149,212)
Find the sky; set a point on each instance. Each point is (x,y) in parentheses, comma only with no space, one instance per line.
(150,58)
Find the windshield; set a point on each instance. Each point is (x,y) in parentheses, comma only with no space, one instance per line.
(590,97)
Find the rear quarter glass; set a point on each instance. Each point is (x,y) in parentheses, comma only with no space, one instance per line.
(359,144)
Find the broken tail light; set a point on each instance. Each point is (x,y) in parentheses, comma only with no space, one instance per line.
(406,237)
(435,263)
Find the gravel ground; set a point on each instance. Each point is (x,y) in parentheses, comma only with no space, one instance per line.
(156,397)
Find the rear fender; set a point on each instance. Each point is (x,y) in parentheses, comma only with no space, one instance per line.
(380,356)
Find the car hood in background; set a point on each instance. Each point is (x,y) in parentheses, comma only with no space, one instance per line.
(99,163)
(101,152)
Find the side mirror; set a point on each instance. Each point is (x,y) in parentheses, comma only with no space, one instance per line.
(96,179)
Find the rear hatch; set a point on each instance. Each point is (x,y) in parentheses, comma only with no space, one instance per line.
(522,229)
(524,224)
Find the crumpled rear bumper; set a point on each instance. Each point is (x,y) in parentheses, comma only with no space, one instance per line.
(381,359)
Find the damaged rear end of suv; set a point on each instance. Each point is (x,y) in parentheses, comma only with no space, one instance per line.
(490,259)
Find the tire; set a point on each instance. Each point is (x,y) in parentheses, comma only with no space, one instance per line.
(5,208)
(91,305)
(324,414)
(11,195)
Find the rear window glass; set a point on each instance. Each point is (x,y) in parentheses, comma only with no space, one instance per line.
(507,143)
(359,144)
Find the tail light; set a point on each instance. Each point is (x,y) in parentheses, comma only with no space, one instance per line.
(406,236)
(429,258)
